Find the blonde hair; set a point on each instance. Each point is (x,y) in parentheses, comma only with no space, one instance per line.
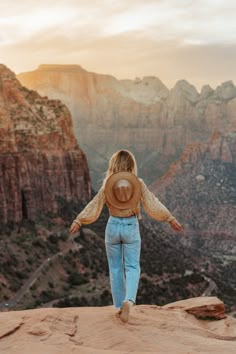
(122,160)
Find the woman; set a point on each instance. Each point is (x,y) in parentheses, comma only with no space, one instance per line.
(122,235)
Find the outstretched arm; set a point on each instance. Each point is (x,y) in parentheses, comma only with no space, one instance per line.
(90,213)
(176,225)
(154,208)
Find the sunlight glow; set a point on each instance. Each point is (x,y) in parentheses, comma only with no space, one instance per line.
(125,38)
(18,27)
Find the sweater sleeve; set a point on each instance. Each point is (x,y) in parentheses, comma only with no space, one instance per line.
(92,210)
(152,205)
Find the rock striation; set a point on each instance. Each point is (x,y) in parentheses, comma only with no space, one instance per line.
(40,159)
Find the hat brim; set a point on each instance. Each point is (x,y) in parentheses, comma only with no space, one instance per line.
(110,196)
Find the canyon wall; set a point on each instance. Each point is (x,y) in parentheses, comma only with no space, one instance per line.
(142,115)
(200,187)
(40,158)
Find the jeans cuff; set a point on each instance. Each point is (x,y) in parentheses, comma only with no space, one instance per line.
(130,300)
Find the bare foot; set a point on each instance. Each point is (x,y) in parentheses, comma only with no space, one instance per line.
(127,305)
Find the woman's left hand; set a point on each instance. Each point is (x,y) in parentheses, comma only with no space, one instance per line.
(176,225)
(74,228)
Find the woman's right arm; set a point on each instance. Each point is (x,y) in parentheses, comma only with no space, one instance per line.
(90,213)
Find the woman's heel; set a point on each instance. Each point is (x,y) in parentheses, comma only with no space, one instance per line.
(127,305)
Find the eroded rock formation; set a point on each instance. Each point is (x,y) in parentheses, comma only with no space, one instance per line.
(141,115)
(200,187)
(40,159)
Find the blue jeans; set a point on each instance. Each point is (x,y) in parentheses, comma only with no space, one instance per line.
(123,246)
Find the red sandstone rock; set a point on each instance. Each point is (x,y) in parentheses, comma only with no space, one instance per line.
(40,159)
(219,147)
(88,330)
(199,188)
(202,307)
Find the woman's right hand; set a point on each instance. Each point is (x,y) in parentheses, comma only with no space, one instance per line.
(176,225)
(74,228)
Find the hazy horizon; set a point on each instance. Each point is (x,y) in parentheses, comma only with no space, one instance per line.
(137,77)
(169,39)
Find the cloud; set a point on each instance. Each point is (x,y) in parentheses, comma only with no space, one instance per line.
(196,21)
(172,39)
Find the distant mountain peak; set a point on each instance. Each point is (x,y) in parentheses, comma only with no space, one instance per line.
(4,70)
(186,89)
(184,84)
(206,91)
(226,90)
(60,67)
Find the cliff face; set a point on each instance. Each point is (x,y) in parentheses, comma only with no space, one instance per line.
(200,190)
(142,115)
(201,186)
(40,159)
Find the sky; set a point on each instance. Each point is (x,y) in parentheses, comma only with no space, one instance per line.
(173,40)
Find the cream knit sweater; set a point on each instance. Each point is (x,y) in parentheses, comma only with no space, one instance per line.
(151,204)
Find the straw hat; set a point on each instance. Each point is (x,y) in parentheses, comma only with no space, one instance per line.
(123,190)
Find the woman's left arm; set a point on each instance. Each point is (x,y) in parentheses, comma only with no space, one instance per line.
(91,212)
(156,209)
